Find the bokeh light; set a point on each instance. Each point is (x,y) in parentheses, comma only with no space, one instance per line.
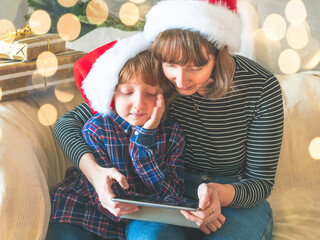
(40,22)
(314,148)
(97,11)
(296,11)
(297,36)
(47,64)
(69,27)
(313,62)
(37,79)
(289,61)
(250,14)
(47,114)
(266,52)
(0,93)
(137,1)
(129,14)
(7,26)
(274,27)
(67,3)
(64,94)
(293,201)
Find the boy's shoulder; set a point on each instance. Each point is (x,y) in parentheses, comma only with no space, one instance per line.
(98,121)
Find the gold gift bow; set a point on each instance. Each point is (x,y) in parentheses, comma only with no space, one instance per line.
(22,33)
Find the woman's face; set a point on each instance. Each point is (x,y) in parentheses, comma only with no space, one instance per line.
(188,78)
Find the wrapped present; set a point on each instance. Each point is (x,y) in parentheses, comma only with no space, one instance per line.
(28,46)
(19,79)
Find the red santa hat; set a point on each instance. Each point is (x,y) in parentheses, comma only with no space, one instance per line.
(216,20)
(97,73)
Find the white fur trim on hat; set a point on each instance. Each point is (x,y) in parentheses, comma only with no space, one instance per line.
(99,85)
(216,22)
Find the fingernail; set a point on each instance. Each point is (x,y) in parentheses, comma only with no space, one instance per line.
(198,224)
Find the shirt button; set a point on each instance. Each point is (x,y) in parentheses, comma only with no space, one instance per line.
(125,131)
(136,133)
(204,177)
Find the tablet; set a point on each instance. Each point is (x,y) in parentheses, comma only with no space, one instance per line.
(144,201)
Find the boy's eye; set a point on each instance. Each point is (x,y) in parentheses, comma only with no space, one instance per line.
(126,92)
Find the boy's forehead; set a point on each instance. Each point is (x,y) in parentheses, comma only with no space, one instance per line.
(136,81)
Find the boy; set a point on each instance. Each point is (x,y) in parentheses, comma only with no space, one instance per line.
(131,141)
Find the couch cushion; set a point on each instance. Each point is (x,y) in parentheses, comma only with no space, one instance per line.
(296,197)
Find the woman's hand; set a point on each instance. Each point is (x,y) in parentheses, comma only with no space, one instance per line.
(209,217)
(157,113)
(102,179)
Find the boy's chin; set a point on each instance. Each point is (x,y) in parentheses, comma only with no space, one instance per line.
(138,123)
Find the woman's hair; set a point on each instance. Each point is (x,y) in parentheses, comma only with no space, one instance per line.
(180,47)
(142,67)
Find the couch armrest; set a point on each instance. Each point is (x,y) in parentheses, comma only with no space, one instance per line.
(30,162)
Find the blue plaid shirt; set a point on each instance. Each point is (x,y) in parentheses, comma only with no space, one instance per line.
(151,160)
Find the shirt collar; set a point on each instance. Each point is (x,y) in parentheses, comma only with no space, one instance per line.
(123,124)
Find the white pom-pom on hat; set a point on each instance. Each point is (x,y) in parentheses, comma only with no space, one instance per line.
(100,83)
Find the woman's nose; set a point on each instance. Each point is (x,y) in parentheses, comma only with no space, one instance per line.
(180,78)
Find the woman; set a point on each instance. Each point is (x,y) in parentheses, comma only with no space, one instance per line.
(231,110)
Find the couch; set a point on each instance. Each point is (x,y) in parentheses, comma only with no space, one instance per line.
(31,161)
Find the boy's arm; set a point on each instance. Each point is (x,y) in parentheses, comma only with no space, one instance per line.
(161,171)
(91,134)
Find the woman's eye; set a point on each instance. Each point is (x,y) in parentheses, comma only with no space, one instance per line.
(168,65)
(152,94)
(195,68)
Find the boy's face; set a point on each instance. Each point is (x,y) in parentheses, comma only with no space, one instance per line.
(135,100)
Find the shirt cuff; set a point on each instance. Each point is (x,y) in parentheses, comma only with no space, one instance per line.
(144,137)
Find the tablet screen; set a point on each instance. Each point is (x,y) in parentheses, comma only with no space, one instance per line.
(144,201)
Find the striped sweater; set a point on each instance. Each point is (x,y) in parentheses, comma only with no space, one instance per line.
(239,134)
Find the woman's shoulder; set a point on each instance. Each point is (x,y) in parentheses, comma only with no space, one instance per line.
(245,66)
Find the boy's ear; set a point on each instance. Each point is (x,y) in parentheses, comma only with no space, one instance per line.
(83,65)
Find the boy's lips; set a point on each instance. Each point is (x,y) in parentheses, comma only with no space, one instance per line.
(137,115)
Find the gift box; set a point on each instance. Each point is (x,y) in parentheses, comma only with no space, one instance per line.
(28,47)
(19,79)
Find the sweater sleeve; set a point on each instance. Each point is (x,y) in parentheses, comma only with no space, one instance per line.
(67,131)
(263,148)
(159,167)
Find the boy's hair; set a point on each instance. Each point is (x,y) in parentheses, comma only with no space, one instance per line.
(142,67)
(181,47)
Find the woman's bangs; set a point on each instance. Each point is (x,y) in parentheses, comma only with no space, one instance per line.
(179,47)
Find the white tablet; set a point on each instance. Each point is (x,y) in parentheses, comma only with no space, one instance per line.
(162,212)
(144,201)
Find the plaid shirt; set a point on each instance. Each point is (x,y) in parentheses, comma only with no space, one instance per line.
(151,160)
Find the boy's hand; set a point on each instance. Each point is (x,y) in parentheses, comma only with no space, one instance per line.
(157,113)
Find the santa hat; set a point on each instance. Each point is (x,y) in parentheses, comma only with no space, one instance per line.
(97,81)
(216,20)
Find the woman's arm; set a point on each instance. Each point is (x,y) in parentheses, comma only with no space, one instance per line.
(67,131)
(263,148)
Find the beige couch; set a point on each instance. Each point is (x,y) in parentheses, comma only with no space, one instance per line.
(31,161)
